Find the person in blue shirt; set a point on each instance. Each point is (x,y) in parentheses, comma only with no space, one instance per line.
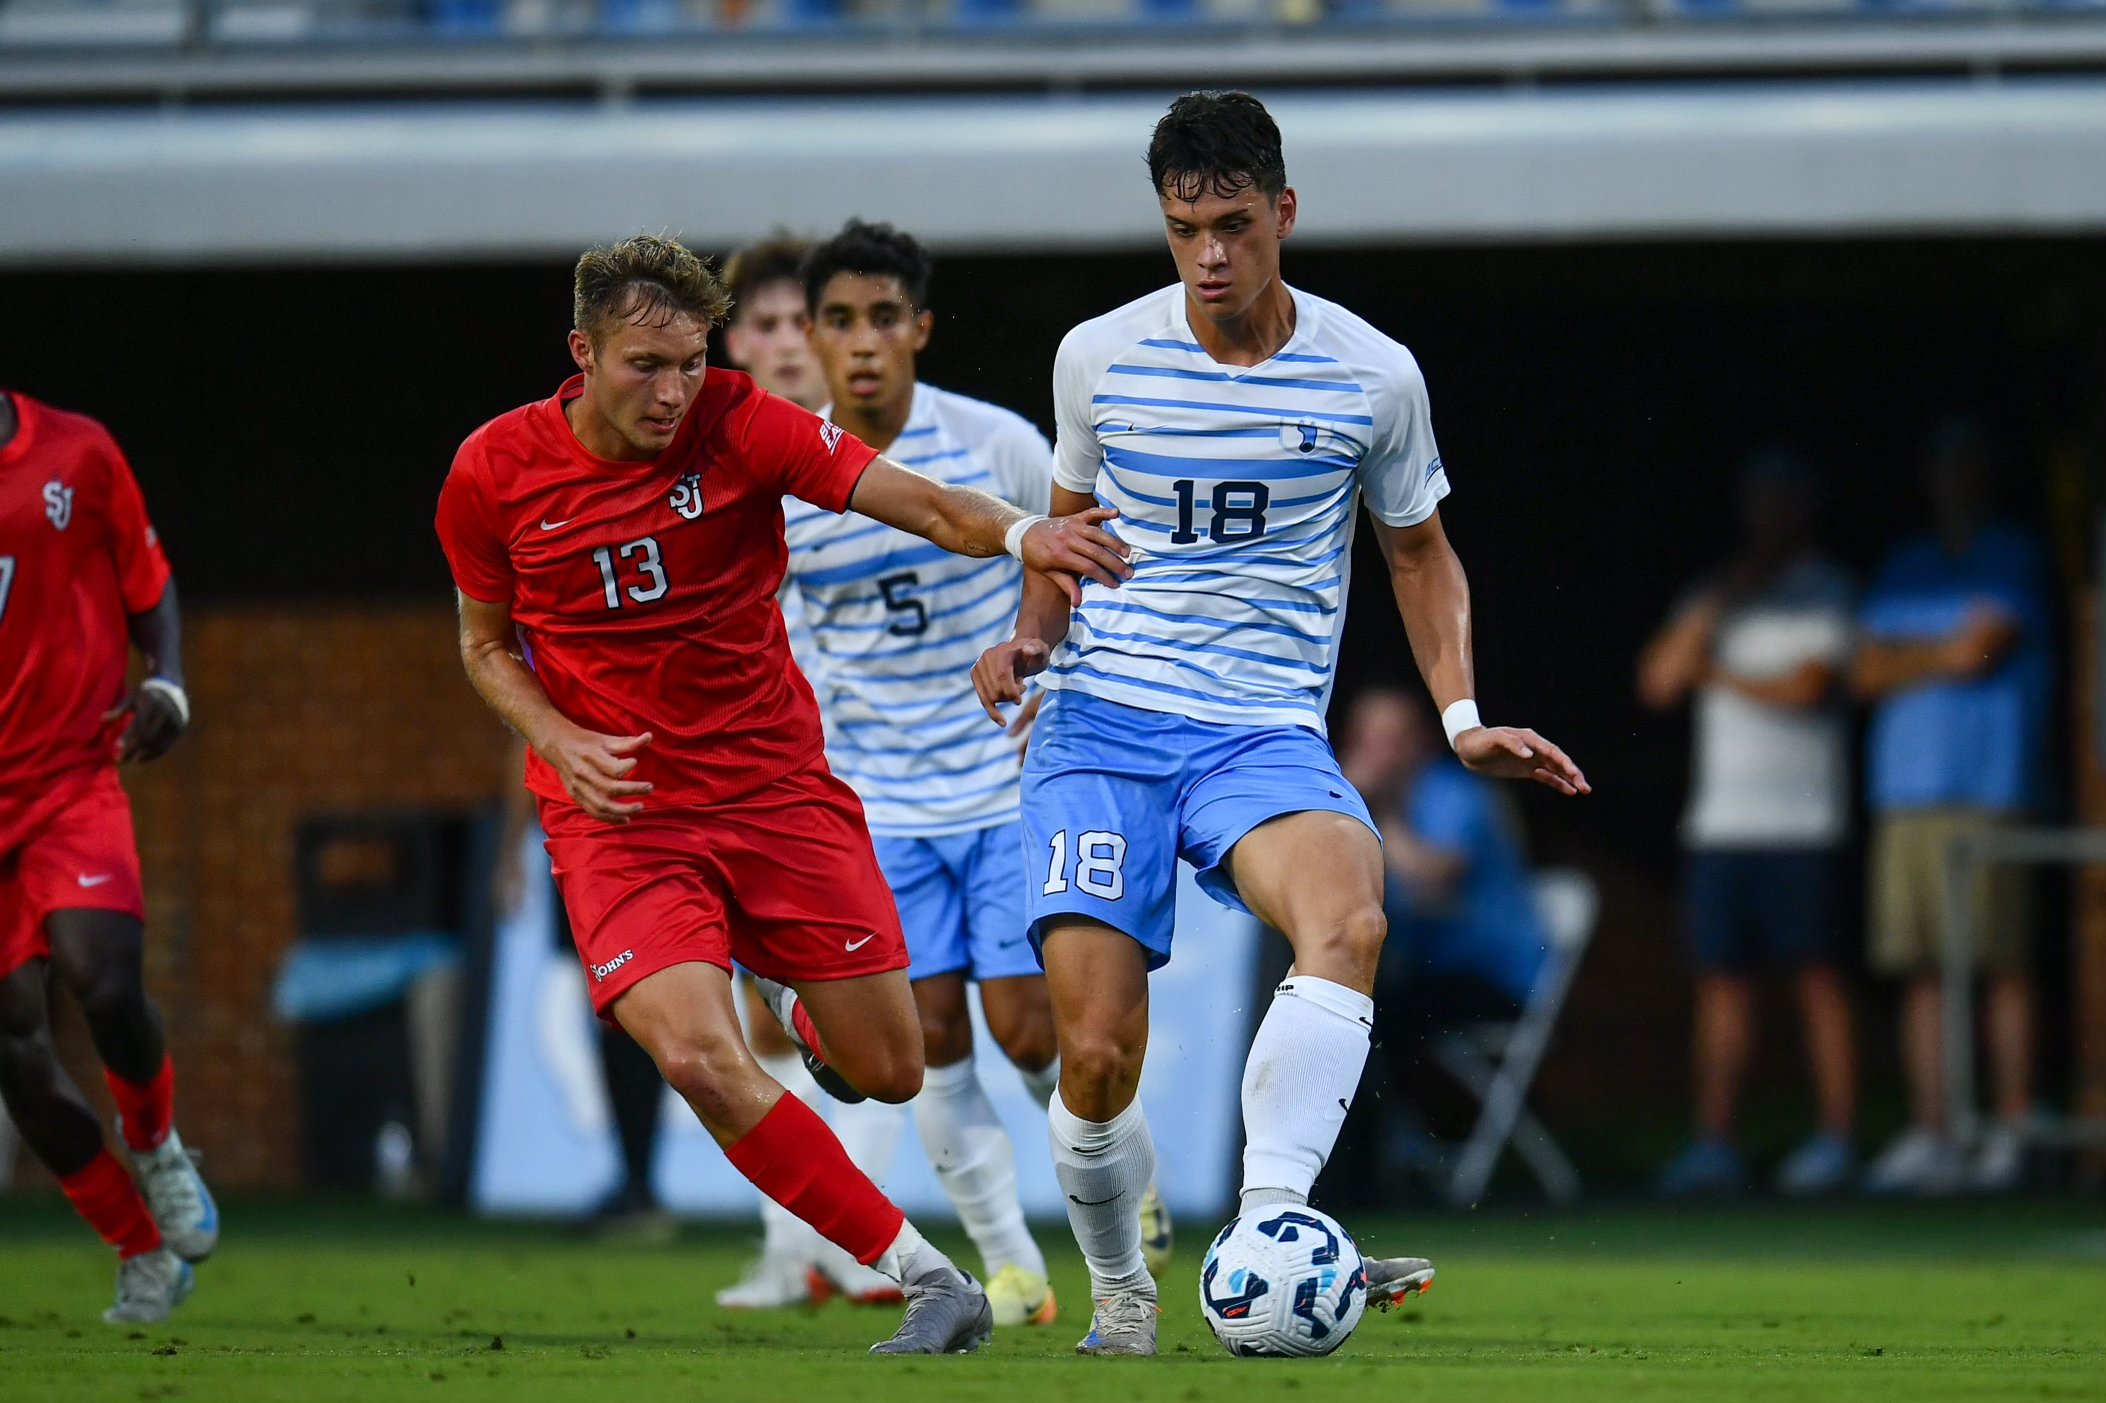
(1465,941)
(1955,658)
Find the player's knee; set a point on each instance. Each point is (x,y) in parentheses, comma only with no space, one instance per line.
(29,1071)
(1098,1072)
(946,1037)
(1347,948)
(892,1075)
(115,999)
(1029,1043)
(706,1071)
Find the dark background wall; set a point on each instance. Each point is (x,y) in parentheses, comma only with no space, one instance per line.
(291,428)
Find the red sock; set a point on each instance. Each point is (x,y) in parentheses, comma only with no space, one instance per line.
(793,1158)
(105,1195)
(148,1107)
(807,1030)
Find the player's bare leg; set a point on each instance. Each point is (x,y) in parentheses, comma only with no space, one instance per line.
(782,1275)
(1020,1016)
(796,1265)
(966,1141)
(1316,877)
(55,1121)
(685,1017)
(100,956)
(862,1034)
(1103,1154)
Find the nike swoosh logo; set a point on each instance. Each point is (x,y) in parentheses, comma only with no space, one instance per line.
(548,525)
(855,945)
(93,881)
(1095,1203)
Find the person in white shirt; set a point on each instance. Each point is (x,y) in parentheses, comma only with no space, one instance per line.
(1760,649)
(1238,425)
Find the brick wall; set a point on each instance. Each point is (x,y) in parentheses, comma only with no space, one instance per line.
(299,712)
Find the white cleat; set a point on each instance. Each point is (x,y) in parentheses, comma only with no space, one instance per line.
(775,1281)
(1916,1162)
(838,1274)
(149,1288)
(1391,1281)
(176,1194)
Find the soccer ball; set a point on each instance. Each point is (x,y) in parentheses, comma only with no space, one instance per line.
(1283,1280)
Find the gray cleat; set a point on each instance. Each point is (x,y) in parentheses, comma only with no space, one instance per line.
(149,1288)
(947,1313)
(1394,1280)
(1124,1324)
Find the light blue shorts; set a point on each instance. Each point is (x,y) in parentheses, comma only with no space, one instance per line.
(1114,796)
(961,902)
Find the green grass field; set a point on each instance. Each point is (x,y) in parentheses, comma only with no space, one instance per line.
(315,1304)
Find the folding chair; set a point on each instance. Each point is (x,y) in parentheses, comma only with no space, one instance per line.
(1496,1062)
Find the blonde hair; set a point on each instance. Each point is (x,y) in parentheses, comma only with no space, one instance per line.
(645,276)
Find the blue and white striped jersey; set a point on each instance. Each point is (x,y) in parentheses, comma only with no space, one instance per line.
(1238,489)
(890,628)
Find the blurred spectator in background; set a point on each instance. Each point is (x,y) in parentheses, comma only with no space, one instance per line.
(1761,646)
(1465,943)
(634,1090)
(1956,661)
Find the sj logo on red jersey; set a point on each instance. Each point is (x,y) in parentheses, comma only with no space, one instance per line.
(687,496)
(58,503)
(830,434)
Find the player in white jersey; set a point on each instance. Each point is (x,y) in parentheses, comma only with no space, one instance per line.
(767,339)
(891,627)
(1237,425)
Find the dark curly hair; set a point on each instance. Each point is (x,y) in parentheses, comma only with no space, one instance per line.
(1216,143)
(869,250)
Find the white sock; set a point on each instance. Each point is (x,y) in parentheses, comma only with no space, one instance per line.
(870,1131)
(1104,1169)
(970,1150)
(911,1255)
(1043,1082)
(783,1233)
(1304,1067)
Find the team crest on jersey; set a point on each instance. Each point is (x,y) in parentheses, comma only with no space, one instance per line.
(687,496)
(830,434)
(58,503)
(1300,438)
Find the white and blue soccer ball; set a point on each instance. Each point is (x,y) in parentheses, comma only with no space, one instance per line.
(1283,1280)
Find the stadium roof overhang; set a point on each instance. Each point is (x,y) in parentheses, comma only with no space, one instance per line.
(1039,172)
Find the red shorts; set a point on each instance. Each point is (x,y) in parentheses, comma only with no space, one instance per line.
(783,881)
(73,850)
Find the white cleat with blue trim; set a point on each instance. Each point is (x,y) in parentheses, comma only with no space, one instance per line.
(176,1193)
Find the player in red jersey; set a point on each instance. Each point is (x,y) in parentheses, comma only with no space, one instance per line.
(82,576)
(617,550)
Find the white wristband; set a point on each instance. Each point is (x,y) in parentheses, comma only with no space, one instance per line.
(1013,539)
(175,695)
(1459,717)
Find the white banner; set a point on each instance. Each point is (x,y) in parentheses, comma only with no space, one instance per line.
(547,1143)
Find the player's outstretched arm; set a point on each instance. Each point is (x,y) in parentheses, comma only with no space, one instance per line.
(1042,619)
(594,768)
(967,521)
(1433,596)
(159,707)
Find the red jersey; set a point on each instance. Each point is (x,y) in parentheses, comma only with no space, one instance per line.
(644,593)
(77,559)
